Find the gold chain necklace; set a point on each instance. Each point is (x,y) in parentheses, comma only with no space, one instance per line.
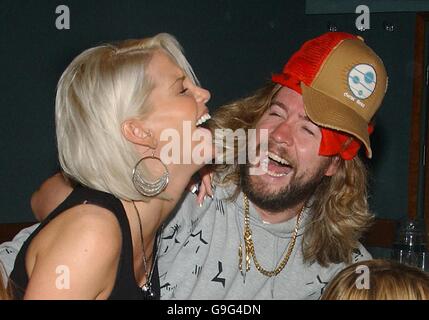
(250,248)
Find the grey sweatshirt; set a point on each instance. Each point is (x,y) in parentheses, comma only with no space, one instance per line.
(198,256)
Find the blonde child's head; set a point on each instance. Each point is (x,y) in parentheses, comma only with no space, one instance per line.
(378,280)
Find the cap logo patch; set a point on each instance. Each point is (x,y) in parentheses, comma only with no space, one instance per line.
(362,80)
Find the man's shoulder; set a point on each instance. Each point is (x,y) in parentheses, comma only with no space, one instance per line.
(10,249)
(359,254)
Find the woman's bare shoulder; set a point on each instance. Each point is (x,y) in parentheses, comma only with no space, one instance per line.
(86,240)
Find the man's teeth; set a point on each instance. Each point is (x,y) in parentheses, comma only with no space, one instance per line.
(278,159)
(273,174)
(203,119)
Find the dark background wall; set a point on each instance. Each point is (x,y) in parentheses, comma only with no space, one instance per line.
(233,45)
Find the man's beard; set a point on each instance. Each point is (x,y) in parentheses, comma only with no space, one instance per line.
(296,192)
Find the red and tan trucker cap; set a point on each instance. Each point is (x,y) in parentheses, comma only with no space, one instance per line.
(342,82)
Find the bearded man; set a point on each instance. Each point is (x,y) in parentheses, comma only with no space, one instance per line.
(285,233)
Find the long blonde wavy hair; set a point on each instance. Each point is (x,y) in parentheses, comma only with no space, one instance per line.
(340,213)
(387,280)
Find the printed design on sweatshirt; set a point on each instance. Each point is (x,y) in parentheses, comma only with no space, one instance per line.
(167,286)
(319,282)
(197,270)
(219,206)
(176,229)
(8,251)
(193,225)
(200,238)
(172,236)
(357,255)
(217,278)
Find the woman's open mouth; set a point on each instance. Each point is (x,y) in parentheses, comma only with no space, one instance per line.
(204,118)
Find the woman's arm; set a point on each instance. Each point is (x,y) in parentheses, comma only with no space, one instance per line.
(75,256)
(56,189)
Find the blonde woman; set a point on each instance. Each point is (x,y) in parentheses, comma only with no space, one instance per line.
(113,104)
(378,280)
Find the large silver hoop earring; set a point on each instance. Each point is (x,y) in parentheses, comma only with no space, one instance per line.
(143,185)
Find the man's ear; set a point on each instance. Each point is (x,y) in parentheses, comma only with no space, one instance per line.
(333,166)
(134,132)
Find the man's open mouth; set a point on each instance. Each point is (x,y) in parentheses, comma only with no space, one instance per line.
(278,166)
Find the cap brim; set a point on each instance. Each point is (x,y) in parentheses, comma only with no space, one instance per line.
(330,113)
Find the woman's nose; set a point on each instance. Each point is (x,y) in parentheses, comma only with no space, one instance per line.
(202,95)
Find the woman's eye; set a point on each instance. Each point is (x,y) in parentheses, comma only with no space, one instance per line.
(184,91)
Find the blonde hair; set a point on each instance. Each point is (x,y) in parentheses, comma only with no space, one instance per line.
(339,214)
(388,280)
(99,90)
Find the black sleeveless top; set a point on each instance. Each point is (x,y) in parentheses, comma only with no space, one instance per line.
(125,287)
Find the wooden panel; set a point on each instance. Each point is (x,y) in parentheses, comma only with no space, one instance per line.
(418,94)
(418,82)
(426,205)
(9,230)
(426,195)
(382,234)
